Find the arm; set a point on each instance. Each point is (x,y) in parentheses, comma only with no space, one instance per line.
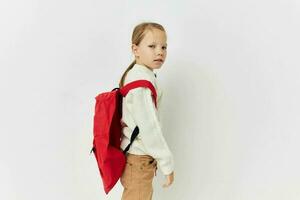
(144,113)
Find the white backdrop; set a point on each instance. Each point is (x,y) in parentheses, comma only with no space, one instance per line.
(231,95)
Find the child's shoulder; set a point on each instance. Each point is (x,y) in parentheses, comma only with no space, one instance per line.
(137,73)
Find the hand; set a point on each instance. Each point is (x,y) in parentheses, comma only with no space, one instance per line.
(169,180)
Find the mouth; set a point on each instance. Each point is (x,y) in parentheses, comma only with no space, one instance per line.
(159,60)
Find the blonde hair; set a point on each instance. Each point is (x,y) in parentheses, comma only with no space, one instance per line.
(137,36)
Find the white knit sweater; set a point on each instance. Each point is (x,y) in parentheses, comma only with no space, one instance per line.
(139,110)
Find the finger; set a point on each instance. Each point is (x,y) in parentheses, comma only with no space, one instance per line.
(167,184)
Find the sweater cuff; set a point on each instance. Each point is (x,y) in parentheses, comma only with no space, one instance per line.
(167,168)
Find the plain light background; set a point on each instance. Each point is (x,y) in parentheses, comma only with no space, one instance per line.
(231,95)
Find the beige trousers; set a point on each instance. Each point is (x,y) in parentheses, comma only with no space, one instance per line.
(137,177)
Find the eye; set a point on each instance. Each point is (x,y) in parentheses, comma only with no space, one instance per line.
(164,47)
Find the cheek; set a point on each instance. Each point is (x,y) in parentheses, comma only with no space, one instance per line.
(146,52)
(150,53)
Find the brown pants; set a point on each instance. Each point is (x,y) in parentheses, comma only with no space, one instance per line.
(137,177)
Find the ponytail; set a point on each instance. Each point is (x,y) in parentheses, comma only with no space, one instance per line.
(121,83)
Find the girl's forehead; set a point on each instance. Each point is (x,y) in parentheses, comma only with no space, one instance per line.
(155,36)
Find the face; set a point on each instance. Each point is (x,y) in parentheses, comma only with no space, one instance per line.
(152,50)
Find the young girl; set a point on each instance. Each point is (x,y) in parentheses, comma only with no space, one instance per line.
(149,149)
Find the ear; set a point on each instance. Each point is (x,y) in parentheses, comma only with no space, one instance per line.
(135,49)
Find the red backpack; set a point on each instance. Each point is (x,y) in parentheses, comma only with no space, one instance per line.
(111,159)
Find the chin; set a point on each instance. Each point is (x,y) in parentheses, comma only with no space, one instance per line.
(157,66)
(154,66)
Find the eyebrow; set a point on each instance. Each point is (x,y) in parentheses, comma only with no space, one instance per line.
(155,43)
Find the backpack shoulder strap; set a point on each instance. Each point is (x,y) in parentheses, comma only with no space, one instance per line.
(139,83)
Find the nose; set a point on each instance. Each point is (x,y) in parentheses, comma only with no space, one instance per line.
(159,51)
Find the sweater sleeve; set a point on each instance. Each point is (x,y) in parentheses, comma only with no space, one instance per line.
(141,106)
